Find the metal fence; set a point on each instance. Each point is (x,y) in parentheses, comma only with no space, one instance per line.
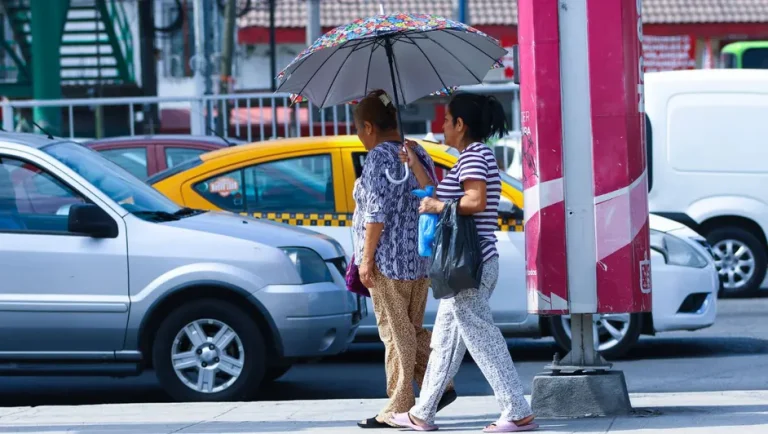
(245,116)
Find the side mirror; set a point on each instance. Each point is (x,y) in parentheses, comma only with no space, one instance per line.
(516,64)
(91,220)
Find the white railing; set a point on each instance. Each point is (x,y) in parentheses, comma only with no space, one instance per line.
(248,116)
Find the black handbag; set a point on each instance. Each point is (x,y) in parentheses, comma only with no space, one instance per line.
(456,256)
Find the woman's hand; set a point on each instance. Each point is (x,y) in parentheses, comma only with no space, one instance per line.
(430,205)
(366,272)
(408,155)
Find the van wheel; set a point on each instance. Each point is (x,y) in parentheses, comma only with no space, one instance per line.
(617,332)
(741,260)
(209,350)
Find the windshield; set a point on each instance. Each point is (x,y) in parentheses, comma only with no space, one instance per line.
(505,177)
(131,193)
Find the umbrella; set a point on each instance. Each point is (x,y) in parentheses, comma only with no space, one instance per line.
(407,55)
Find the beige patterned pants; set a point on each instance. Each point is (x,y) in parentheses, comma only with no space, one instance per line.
(399,308)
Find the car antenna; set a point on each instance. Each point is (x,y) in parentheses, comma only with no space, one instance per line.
(219,136)
(42,129)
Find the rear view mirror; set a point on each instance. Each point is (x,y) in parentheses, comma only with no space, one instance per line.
(89,219)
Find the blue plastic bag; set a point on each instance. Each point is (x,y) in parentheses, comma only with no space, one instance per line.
(427,225)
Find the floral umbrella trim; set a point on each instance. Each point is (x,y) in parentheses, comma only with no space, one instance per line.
(381,25)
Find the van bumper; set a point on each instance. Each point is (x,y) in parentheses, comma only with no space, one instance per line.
(314,320)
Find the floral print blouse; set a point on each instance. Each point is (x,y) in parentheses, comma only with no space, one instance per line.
(380,201)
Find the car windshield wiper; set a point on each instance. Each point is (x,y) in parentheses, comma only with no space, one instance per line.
(161,216)
(187,212)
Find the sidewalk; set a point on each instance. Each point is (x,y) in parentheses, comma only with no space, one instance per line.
(710,412)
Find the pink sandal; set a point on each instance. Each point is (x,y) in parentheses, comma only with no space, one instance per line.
(507,426)
(404,420)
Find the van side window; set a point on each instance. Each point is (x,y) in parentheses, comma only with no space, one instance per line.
(33,200)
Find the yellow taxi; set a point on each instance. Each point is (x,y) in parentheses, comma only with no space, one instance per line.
(309,181)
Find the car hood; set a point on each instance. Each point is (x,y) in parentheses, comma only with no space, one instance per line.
(664,224)
(265,232)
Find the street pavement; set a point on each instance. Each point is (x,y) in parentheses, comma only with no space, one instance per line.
(683,413)
(676,380)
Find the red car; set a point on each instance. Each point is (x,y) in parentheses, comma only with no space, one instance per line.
(144,156)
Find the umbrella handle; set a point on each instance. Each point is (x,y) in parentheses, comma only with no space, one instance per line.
(400,181)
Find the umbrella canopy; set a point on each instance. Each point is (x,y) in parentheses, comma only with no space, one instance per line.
(426,52)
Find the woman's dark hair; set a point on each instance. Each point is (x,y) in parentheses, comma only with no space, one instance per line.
(483,115)
(378,109)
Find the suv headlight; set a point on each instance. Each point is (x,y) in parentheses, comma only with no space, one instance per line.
(309,265)
(676,251)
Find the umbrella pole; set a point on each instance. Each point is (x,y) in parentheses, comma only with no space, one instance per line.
(391,58)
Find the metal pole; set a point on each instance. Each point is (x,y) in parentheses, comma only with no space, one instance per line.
(199,67)
(228,43)
(461,11)
(272,48)
(313,21)
(146,11)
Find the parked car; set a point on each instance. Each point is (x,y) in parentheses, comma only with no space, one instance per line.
(707,157)
(144,156)
(308,182)
(103,275)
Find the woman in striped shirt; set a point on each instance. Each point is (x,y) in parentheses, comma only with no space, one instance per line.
(465,322)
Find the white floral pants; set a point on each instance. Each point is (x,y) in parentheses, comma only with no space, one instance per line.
(465,323)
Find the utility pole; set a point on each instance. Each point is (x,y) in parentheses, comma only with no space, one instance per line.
(146,11)
(272,47)
(228,44)
(200,69)
(313,22)
(461,11)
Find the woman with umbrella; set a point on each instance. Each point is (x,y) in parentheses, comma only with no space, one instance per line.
(385,228)
(465,322)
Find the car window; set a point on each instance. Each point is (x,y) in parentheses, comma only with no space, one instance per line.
(176,156)
(134,160)
(33,200)
(301,185)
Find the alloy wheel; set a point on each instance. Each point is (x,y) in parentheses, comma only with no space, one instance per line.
(207,355)
(735,262)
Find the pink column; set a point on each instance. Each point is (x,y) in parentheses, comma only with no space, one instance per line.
(541,121)
(586,204)
(619,156)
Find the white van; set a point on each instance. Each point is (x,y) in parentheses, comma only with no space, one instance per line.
(707,133)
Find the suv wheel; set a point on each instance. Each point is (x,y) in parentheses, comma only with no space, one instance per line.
(617,333)
(209,350)
(740,259)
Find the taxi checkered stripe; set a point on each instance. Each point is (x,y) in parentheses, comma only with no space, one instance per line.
(345,220)
(313,219)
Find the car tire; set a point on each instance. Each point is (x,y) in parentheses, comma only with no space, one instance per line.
(630,336)
(275,372)
(755,252)
(174,345)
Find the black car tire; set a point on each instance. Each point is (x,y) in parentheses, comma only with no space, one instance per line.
(254,350)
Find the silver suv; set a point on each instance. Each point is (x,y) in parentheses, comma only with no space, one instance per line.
(103,275)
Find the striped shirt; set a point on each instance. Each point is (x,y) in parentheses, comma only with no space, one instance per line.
(477,162)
